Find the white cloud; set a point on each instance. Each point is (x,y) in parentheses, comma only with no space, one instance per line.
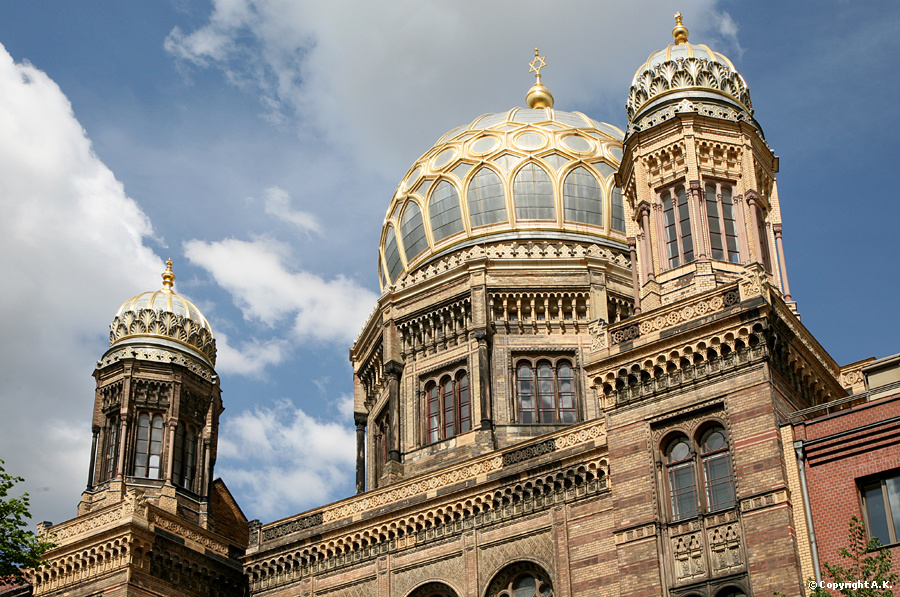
(278,204)
(266,289)
(284,460)
(248,358)
(74,249)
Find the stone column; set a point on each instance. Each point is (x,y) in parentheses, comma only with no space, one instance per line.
(170,453)
(393,370)
(780,246)
(646,252)
(360,420)
(95,430)
(634,275)
(123,435)
(484,378)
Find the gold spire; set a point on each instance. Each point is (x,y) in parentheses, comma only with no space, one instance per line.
(538,96)
(168,276)
(680,32)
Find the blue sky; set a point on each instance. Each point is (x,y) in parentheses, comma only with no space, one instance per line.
(258,142)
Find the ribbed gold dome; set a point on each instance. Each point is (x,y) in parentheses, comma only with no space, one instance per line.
(162,316)
(687,71)
(532,174)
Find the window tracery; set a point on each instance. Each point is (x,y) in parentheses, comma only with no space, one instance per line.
(486,198)
(448,407)
(676,213)
(690,464)
(545,392)
(148,448)
(582,197)
(184,465)
(721,222)
(533,194)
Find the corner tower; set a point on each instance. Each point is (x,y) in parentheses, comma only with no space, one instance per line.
(699,177)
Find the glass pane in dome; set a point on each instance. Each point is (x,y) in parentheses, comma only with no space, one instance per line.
(486,200)
(555,160)
(530,115)
(618,210)
(443,211)
(583,198)
(484,145)
(604,169)
(444,157)
(533,194)
(608,129)
(413,231)
(579,144)
(530,140)
(616,153)
(570,119)
(461,170)
(413,177)
(423,188)
(508,127)
(508,161)
(392,255)
(489,120)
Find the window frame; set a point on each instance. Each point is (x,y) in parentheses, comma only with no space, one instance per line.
(736,256)
(184,455)
(893,525)
(153,448)
(681,239)
(537,410)
(447,406)
(698,461)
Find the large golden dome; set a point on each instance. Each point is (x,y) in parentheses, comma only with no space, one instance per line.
(684,71)
(529,173)
(164,318)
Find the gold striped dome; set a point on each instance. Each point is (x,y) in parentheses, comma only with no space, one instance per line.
(526,174)
(686,71)
(164,318)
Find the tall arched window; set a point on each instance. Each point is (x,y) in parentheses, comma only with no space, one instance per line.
(184,465)
(533,194)
(682,481)
(413,231)
(618,210)
(392,254)
(522,579)
(148,449)
(545,393)
(443,211)
(763,239)
(111,454)
(677,221)
(717,470)
(486,199)
(448,407)
(583,198)
(715,474)
(723,240)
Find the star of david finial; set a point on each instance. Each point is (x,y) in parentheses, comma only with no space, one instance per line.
(536,65)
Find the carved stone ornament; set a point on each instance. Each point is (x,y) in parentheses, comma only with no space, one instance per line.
(599,335)
(150,322)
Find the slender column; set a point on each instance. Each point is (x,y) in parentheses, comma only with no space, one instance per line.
(360,420)
(95,430)
(123,435)
(170,454)
(484,375)
(754,223)
(634,276)
(780,246)
(647,253)
(393,370)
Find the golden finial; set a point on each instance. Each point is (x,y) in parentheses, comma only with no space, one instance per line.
(680,32)
(538,96)
(168,276)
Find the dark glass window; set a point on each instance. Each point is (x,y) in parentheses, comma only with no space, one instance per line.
(448,408)
(546,394)
(148,449)
(682,481)
(184,457)
(881,499)
(112,447)
(618,210)
(723,242)
(677,222)
(717,470)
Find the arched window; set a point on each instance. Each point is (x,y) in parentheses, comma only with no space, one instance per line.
(583,198)
(522,579)
(443,211)
(533,194)
(392,254)
(413,231)
(682,481)
(433,589)
(677,221)
(717,470)
(715,474)
(111,454)
(486,199)
(763,239)
(148,449)
(618,210)
(448,408)
(723,240)
(184,465)
(546,393)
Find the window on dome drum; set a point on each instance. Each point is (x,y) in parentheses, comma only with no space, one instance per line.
(533,194)
(392,255)
(111,453)
(486,199)
(723,240)
(413,231)
(583,198)
(448,407)
(545,393)
(716,477)
(148,448)
(881,503)
(618,210)
(763,239)
(381,439)
(184,464)
(677,222)
(443,211)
